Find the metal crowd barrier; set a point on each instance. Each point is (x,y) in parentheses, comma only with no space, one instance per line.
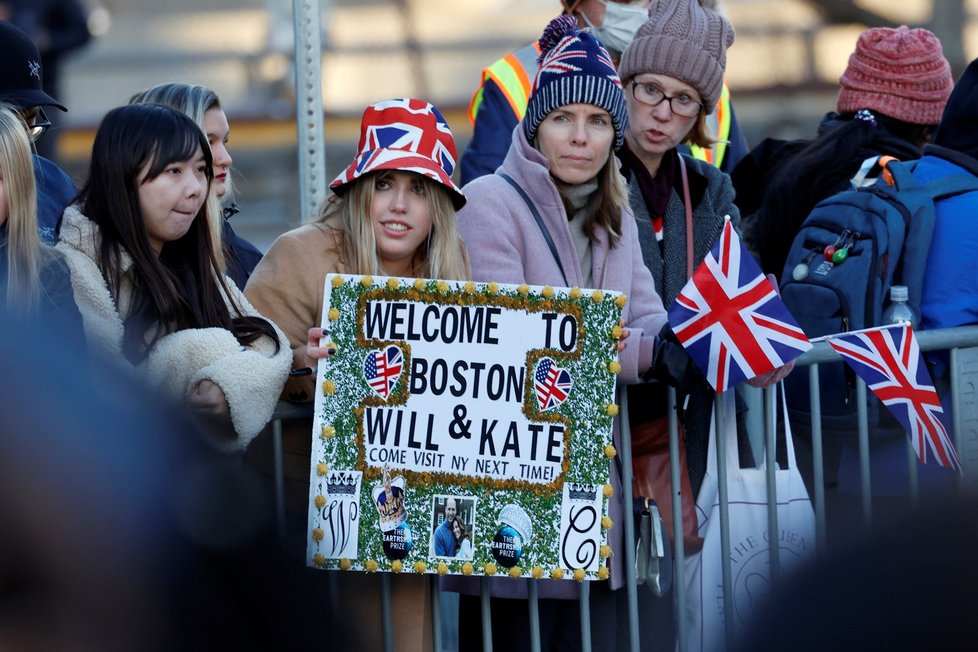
(962,343)
(963,346)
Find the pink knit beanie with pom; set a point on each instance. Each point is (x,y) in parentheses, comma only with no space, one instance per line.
(901,73)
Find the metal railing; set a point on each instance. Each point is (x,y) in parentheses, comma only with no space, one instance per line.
(962,343)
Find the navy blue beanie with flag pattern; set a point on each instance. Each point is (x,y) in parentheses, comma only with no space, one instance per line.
(574,69)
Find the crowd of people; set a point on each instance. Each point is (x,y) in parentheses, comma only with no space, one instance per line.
(604,155)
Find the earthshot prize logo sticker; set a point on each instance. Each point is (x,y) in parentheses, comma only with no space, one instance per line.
(514,532)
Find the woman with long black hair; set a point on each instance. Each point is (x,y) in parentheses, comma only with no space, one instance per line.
(147,280)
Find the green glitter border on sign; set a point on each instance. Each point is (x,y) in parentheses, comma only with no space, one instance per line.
(337,443)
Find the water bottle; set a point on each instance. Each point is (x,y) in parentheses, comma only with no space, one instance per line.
(899,311)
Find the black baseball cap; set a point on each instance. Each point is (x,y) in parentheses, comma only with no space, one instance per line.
(20,72)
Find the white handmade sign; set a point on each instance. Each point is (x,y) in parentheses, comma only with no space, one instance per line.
(464,427)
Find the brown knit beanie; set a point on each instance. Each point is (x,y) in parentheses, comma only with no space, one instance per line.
(683,40)
(901,73)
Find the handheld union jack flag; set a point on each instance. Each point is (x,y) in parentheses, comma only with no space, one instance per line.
(888,359)
(552,384)
(382,368)
(730,318)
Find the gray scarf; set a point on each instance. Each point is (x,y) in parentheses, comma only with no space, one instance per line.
(576,199)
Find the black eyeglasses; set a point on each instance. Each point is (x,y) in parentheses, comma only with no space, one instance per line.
(650,94)
(37,123)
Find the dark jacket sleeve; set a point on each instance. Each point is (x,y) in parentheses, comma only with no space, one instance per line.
(242,257)
(56,305)
(491,136)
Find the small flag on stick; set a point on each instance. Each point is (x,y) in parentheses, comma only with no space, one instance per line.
(730,318)
(889,360)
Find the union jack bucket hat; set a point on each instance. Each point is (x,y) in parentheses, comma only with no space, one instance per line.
(409,135)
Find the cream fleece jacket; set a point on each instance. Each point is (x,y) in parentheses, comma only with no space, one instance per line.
(251,377)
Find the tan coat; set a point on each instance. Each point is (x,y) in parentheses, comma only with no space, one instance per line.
(287,286)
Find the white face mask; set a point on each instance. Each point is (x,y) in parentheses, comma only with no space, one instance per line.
(621,21)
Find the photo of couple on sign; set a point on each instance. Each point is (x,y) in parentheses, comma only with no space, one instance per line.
(452,529)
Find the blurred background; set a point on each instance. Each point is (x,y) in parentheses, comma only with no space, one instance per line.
(782,70)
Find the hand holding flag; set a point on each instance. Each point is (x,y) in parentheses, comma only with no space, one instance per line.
(730,318)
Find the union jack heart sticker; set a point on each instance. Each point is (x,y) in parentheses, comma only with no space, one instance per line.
(382,368)
(552,384)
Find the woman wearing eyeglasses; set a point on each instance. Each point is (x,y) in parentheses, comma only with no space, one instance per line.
(673,76)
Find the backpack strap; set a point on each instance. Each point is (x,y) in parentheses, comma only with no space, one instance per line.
(949,186)
(899,175)
(861,178)
(539,220)
(902,180)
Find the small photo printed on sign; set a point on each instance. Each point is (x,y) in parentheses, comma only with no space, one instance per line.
(453,526)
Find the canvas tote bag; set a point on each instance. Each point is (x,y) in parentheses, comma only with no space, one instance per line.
(750,538)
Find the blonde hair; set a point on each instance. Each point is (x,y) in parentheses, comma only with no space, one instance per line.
(23,244)
(699,134)
(442,256)
(194,101)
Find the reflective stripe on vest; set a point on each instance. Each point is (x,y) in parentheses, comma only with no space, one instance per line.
(719,125)
(513,74)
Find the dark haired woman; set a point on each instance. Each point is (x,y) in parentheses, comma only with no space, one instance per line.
(147,281)
(463,539)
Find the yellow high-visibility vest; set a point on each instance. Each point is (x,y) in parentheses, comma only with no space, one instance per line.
(513,74)
(719,123)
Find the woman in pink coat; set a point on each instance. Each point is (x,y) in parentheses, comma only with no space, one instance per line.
(561,166)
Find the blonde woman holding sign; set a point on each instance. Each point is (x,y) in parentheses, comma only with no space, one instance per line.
(392,214)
